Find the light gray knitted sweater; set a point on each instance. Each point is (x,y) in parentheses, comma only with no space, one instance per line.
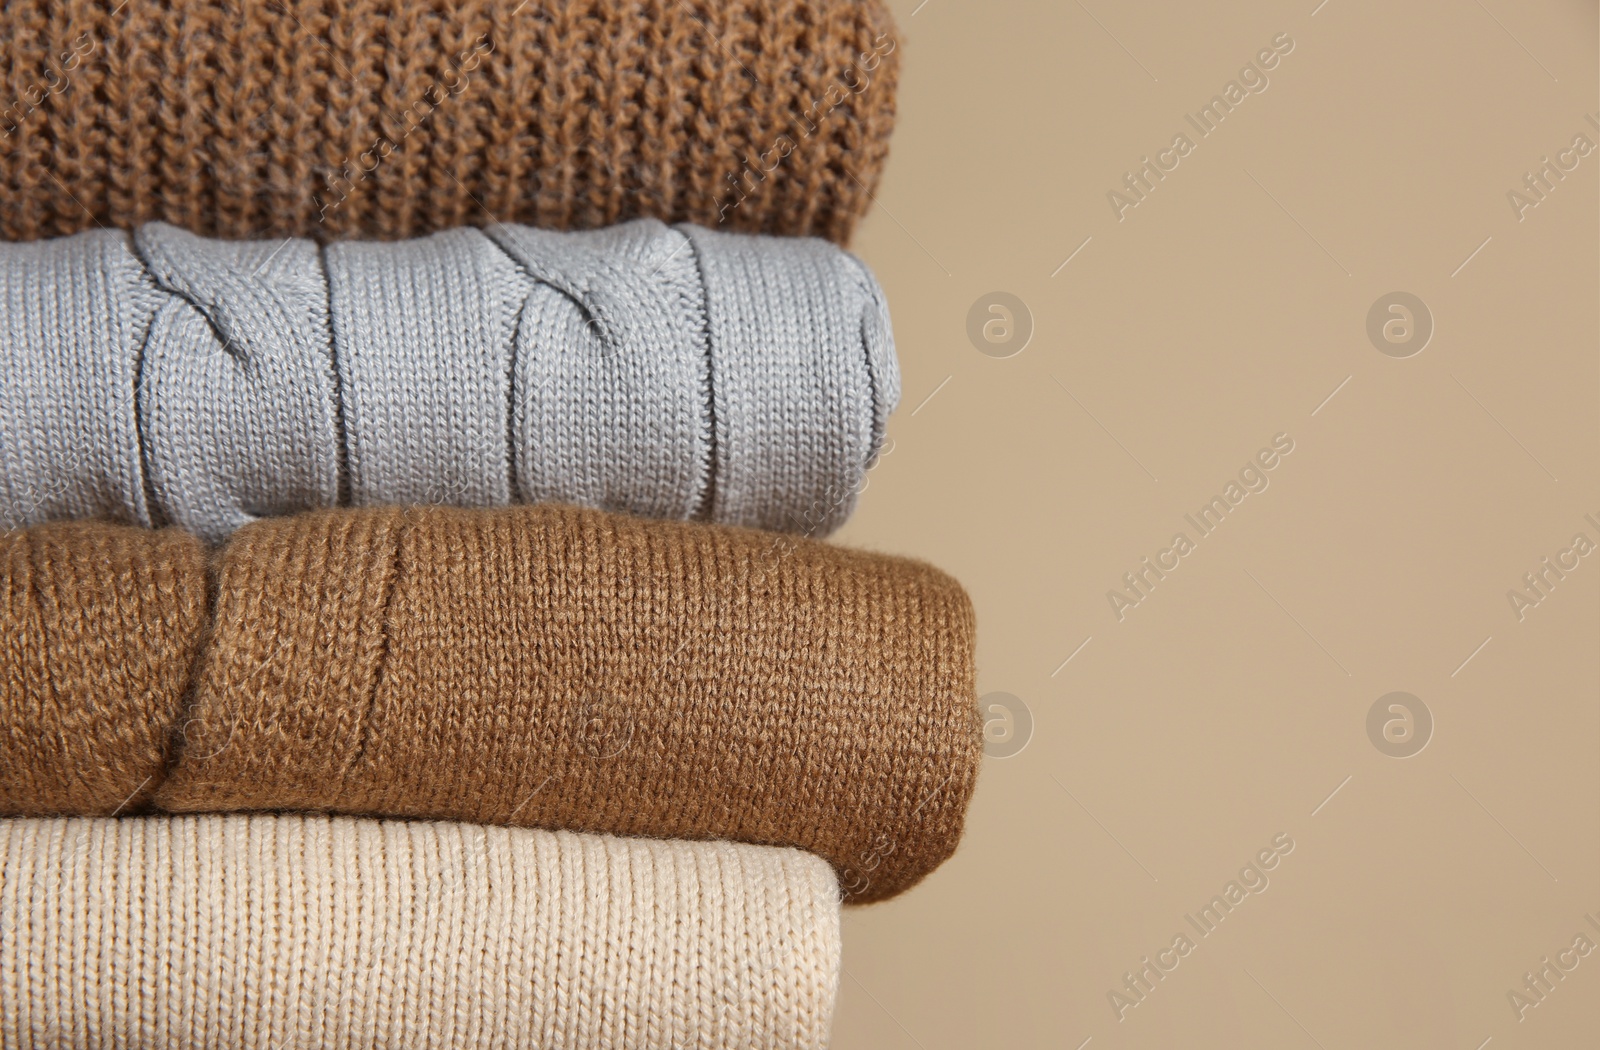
(678,372)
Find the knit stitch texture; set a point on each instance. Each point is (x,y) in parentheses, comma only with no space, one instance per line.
(101,627)
(538,666)
(396,118)
(319,933)
(678,372)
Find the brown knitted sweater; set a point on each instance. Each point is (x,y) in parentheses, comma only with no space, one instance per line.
(540,666)
(395,118)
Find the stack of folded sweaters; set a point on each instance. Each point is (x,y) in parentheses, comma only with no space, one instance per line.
(412,630)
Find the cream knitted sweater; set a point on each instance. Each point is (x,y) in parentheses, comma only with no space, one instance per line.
(317,933)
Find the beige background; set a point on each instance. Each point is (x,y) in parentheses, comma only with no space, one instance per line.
(1228,706)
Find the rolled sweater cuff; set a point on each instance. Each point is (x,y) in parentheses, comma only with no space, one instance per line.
(163,378)
(537,666)
(318,933)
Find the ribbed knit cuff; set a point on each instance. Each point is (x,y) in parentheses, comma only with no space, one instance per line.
(318,933)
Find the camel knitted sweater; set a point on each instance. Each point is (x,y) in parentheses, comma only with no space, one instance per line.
(327,933)
(395,118)
(539,666)
(163,378)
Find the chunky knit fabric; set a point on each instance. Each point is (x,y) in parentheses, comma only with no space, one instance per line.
(395,118)
(678,372)
(318,933)
(539,666)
